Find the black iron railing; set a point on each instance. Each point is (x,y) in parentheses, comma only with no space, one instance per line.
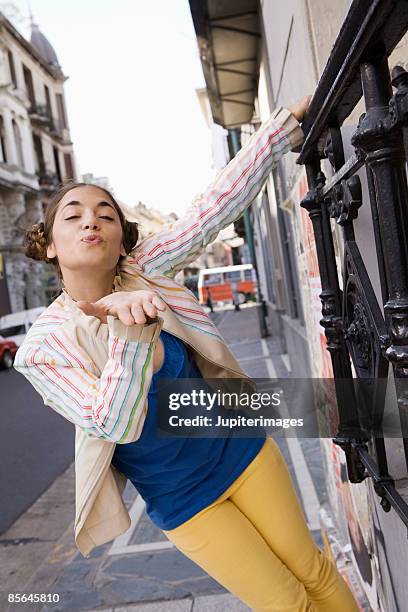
(357,331)
(47,180)
(41,115)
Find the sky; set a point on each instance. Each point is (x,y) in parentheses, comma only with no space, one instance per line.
(133,69)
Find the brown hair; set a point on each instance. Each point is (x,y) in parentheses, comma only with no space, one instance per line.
(39,236)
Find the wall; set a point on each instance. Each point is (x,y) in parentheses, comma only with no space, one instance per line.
(297,38)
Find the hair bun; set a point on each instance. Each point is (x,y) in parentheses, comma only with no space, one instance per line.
(130,235)
(35,242)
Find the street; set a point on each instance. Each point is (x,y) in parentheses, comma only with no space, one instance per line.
(37,446)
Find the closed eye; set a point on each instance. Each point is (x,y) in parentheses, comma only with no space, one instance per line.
(102,217)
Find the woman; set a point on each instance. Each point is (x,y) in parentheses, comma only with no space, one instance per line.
(96,355)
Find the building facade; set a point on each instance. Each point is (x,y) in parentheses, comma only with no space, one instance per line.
(261,56)
(36,155)
(296,44)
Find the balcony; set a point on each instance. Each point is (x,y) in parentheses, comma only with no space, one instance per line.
(57,129)
(39,114)
(47,180)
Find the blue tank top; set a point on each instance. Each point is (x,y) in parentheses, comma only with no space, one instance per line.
(177,477)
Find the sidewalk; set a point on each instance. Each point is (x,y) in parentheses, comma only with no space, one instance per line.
(141,570)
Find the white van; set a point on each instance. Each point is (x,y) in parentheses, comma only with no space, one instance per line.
(14,326)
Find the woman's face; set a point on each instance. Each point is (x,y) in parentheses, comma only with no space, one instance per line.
(83,211)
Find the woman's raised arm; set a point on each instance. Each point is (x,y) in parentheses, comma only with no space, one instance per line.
(108,406)
(226,198)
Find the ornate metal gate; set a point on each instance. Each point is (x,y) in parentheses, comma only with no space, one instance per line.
(355,326)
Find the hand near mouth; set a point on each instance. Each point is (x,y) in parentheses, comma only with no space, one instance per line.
(129,306)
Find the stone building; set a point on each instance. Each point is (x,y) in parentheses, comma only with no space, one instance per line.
(150,220)
(99,181)
(35,156)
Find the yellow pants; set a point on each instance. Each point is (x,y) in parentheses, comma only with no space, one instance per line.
(254,541)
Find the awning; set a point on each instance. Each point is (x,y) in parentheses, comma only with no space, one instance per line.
(228,36)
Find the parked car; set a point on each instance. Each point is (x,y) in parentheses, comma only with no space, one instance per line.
(14,326)
(8,349)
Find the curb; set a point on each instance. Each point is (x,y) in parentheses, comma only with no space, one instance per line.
(205,603)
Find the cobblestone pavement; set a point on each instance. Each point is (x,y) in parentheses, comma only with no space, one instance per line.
(141,568)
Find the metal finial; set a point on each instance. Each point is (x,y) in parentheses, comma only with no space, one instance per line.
(31,17)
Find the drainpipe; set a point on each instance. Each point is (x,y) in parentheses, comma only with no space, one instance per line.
(234,145)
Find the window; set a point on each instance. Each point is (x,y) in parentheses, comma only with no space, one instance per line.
(61,111)
(69,170)
(39,155)
(15,330)
(248,274)
(213,279)
(3,141)
(12,68)
(28,80)
(19,143)
(234,275)
(57,164)
(47,101)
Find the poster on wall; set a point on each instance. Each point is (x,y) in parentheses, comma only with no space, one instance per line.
(311,284)
(348,502)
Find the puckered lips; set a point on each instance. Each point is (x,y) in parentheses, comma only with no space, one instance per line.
(92,239)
